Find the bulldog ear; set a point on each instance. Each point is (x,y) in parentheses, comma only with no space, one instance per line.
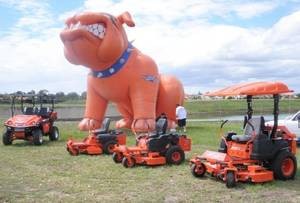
(126,18)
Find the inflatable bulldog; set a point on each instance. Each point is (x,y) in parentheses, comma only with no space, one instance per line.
(119,73)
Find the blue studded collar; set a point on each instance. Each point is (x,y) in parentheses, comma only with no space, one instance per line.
(113,69)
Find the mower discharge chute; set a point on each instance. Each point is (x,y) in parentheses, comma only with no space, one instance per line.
(98,141)
(261,154)
(156,148)
(35,121)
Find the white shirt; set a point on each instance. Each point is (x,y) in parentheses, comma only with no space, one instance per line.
(180,112)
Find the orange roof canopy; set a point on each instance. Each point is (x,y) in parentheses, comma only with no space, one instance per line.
(253,88)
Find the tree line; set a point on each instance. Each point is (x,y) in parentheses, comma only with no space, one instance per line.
(5,98)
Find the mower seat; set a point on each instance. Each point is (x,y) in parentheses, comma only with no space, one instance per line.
(104,128)
(258,124)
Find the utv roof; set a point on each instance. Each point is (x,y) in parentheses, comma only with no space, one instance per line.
(252,88)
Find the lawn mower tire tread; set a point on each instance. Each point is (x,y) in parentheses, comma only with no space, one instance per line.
(175,155)
(37,136)
(284,157)
(117,157)
(230,179)
(108,147)
(128,162)
(198,171)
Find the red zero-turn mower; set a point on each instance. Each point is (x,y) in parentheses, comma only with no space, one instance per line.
(98,141)
(35,121)
(261,154)
(154,149)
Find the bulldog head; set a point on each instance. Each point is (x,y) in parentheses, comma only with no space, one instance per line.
(95,40)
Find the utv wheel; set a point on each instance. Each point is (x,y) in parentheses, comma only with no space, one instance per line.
(109,147)
(175,155)
(230,179)
(7,138)
(54,134)
(117,157)
(198,170)
(128,162)
(37,137)
(284,166)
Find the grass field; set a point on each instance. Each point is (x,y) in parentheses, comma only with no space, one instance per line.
(49,174)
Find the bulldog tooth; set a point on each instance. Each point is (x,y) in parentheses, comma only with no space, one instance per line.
(95,32)
(77,25)
(95,26)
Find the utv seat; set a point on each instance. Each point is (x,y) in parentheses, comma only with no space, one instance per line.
(44,112)
(104,128)
(258,124)
(28,111)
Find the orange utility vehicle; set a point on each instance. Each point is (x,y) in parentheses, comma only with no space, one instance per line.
(35,121)
(98,141)
(261,154)
(156,148)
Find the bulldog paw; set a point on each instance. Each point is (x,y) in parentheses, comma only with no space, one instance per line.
(143,125)
(124,123)
(89,124)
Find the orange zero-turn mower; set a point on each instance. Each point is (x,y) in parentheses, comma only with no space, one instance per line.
(35,121)
(98,141)
(156,148)
(261,154)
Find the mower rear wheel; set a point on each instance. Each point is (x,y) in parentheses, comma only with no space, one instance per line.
(54,134)
(37,137)
(109,147)
(117,157)
(128,162)
(198,170)
(284,166)
(175,155)
(230,179)
(7,137)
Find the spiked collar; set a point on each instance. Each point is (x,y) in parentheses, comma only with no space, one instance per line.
(118,65)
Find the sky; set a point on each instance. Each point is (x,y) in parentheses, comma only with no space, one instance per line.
(207,44)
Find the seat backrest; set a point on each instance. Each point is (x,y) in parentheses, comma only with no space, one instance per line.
(161,126)
(105,125)
(258,124)
(44,111)
(28,110)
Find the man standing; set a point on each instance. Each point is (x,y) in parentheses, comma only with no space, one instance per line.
(181,117)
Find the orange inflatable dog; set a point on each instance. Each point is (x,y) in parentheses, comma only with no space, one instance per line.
(120,73)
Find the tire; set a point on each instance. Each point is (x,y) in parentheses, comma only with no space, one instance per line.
(7,138)
(230,179)
(175,155)
(54,134)
(109,146)
(117,157)
(284,166)
(198,170)
(37,137)
(128,162)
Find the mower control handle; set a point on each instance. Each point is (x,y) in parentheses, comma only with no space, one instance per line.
(224,122)
(251,125)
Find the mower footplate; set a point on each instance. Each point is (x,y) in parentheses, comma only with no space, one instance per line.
(256,174)
(150,160)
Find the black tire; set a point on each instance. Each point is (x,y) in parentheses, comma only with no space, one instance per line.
(117,157)
(54,134)
(175,155)
(37,137)
(198,170)
(128,162)
(109,146)
(230,179)
(284,166)
(7,137)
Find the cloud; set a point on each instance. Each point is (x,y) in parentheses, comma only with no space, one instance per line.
(179,35)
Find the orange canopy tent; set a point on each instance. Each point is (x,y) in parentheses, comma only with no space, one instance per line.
(252,88)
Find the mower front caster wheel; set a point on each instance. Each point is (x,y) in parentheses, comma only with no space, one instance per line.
(230,179)
(128,162)
(117,157)
(54,134)
(109,147)
(198,170)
